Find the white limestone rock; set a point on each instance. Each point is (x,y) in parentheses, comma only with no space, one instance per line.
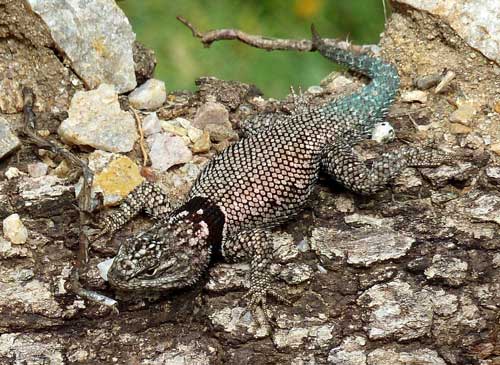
(96,37)
(149,96)
(167,150)
(421,356)
(14,229)
(95,119)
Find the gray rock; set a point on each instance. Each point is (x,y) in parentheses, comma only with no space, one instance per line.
(445,304)
(8,140)
(150,95)
(211,113)
(167,150)
(397,310)
(452,270)
(477,206)
(361,247)
(414,95)
(393,356)
(95,36)
(95,119)
(316,336)
(493,174)
(350,352)
(476,21)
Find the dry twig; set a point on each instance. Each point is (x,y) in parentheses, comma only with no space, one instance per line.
(267,43)
(141,134)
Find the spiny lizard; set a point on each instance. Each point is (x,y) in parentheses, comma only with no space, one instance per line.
(260,182)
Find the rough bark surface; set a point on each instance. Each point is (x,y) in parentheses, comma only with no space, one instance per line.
(408,276)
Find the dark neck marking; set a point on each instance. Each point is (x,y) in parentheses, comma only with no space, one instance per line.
(201,209)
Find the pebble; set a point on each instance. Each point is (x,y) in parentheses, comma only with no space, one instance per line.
(202,144)
(172,127)
(414,95)
(14,229)
(458,128)
(221,132)
(12,173)
(149,96)
(495,148)
(383,132)
(8,140)
(117,180)
(37,169)
(104,267)
(95,36)
(167,150)
(151,124)
(95,119)
(195,134)
(464,113)
(211,113)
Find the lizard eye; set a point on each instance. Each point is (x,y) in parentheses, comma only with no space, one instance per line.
(150,272)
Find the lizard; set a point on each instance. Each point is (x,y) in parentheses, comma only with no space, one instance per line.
(260,182)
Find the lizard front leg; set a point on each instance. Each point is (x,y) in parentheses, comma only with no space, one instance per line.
(256,247)
(148,197)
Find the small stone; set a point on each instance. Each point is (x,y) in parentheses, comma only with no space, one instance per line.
(221,132)
(202,144)
(96,36)
(104,267)
(211,113)
(167,151)
(414,95)
(495,148)
(194,134)
(13,172)
(62,170)
(497,107)
(151,124)
(383,132)
(149,96)
(172,127)
(457,128)
(37,169)
(14,229)
(115,176)
(8,140)
(117,180)
(492,172)
(464,113)
(451,270)
(314,90)
(95,119)
(221,146)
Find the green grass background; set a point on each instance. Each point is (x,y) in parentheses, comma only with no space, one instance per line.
(182,58)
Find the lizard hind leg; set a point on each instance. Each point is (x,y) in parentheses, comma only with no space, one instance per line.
(342,163)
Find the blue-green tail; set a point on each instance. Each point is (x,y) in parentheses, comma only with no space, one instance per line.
(362,110)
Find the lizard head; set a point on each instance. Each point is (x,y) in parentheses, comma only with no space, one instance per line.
(166,256)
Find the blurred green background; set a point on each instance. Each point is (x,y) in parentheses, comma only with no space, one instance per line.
(182,58)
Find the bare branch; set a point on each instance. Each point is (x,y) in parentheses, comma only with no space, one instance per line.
(267,43)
